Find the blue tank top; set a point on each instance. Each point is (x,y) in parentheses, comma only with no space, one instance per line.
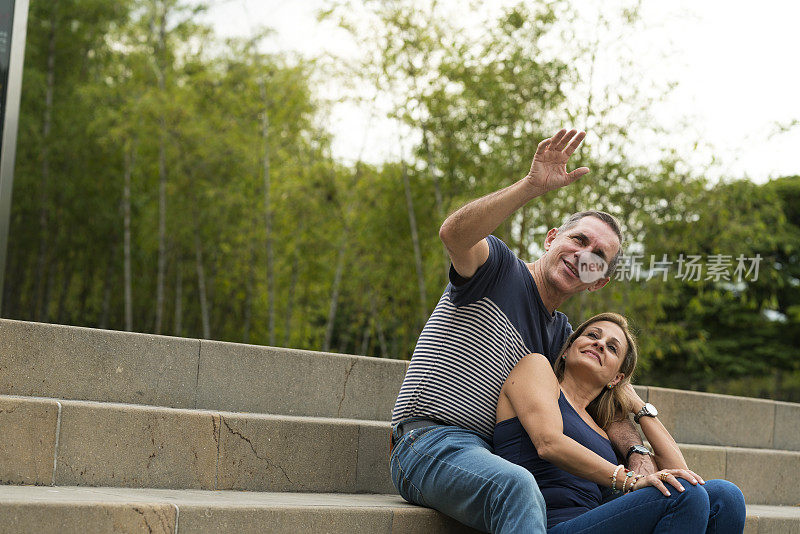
(565,495)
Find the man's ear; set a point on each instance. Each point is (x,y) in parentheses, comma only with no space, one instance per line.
(599,284)
(551,234)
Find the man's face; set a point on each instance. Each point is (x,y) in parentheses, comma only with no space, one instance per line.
(567,253)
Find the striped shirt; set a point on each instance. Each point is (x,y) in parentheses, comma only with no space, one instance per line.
(475,336)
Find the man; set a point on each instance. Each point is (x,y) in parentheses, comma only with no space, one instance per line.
(495,310)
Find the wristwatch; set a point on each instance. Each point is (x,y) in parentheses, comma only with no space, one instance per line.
(639,449)
(648,410)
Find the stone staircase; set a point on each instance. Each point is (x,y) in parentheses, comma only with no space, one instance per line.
(118,432)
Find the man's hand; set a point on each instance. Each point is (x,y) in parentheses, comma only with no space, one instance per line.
(642,464)
(549,166)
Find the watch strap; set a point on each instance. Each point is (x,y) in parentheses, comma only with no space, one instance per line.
(635,449)
(644,412)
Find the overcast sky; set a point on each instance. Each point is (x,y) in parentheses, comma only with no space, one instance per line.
(735,63)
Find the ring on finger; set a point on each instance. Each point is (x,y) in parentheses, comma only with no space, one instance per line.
(663,476)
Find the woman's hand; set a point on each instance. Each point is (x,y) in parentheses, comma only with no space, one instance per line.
(635,402)
(658,479)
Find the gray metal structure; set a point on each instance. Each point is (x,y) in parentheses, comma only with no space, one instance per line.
(13,26)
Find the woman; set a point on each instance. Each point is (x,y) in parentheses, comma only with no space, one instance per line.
(553,425)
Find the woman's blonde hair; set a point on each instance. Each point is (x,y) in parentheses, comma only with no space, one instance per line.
(610,405)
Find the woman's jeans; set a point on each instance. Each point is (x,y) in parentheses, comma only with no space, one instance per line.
(714,508)
(455,471)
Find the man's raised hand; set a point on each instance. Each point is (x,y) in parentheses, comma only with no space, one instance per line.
(549,167)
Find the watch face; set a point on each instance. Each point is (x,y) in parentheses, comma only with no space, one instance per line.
(641,449)
(651,409)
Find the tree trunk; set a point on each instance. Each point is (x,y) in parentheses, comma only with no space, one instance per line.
(522,248)
(437,192)
(777,384)
(39,299)
(8,307)
(105,310)
(126,215)
(337,280)
(365,339)
(162,169)
(340,259)
(268,214)
(178,326)
(423,298)
(379,329)
(344,341)
(66,281)
(248,297)
(201,281)
(86,287)
(292,287)
(48,292)
(12,300)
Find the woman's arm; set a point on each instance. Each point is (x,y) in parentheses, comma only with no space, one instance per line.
(533,392)
(666,452)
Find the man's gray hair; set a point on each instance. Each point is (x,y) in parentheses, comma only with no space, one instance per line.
(607,218)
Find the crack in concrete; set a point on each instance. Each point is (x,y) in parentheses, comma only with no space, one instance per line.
(81,471)
(144,518)
(344,387)
(217,440)
(163,519)
(269,462)
(153,442)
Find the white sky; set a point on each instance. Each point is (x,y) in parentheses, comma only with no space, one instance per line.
(735,63)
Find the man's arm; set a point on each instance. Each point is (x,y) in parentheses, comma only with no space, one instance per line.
(623,436)
(464,231)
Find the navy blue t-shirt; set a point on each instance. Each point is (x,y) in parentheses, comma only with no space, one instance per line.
(479,330)
(566,495)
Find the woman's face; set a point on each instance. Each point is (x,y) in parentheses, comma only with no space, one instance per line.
(601,348)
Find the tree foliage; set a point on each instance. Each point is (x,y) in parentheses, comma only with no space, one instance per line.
(217,156)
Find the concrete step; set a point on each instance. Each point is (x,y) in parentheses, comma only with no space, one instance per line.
(68,362)
(709,419)
(83,443)
(68,510)
(85,364)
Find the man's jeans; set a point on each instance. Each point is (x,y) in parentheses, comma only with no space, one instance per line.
(455,471)
(714,508)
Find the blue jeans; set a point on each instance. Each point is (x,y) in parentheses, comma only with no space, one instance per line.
(455,471)
(714,508)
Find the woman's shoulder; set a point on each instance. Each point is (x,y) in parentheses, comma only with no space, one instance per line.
(534,370)
(534,360)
